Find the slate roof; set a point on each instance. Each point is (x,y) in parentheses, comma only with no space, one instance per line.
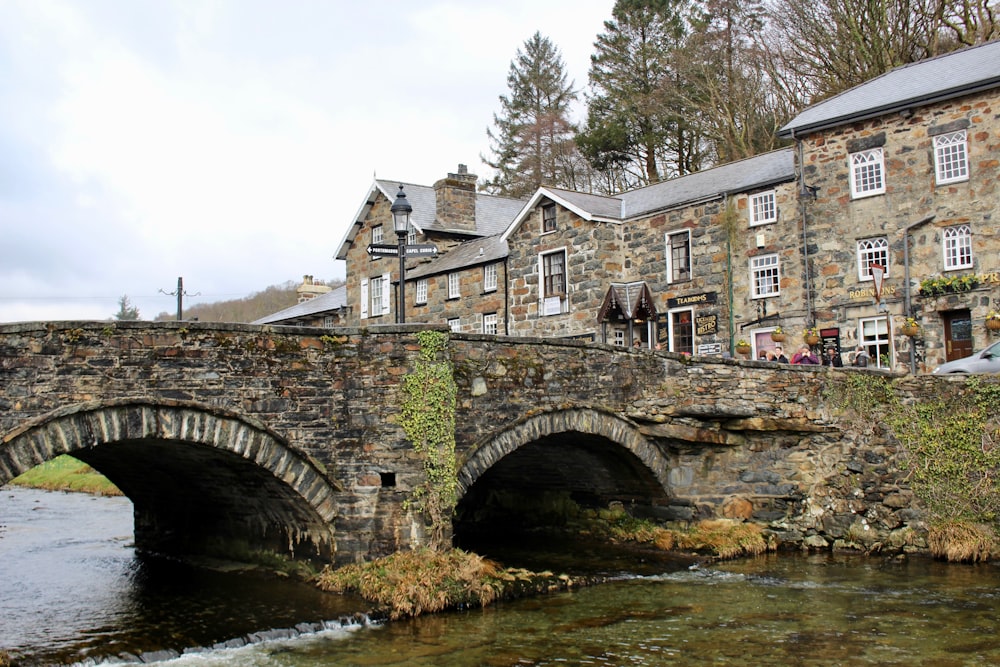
(470,253)
(493,213)
(335,299)
(759,171)
(933,80)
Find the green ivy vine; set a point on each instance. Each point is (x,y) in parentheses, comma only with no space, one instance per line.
(952,443)
(428,419)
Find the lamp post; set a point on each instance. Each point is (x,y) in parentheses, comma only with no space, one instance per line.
(401,210)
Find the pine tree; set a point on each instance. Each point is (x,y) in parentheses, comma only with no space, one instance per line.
(126,311)
(638,124)
(532,139)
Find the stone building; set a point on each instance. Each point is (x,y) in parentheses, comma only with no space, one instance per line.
(901,172)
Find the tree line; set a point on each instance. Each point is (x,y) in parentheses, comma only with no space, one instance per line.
(676,86)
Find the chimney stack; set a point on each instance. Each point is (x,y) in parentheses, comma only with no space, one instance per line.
(455,197)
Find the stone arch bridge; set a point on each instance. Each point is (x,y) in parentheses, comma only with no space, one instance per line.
(289,438)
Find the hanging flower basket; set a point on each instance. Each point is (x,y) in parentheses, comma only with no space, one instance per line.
(778,335)
(811,335)
(910,327)
(743,347)
(993,323)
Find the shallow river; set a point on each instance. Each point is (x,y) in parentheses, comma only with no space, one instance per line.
(73,591)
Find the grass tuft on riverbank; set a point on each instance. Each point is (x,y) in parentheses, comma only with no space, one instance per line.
(720,538)
(65,473)
(963,542)
(411,583)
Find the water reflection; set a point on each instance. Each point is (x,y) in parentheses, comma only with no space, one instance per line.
(70,593)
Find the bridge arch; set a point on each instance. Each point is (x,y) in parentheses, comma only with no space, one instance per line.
(201,479)
(538,473)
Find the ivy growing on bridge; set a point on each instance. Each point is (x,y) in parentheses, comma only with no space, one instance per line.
(428,419)
(952,445)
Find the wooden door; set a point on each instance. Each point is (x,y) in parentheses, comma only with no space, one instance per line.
(957,334)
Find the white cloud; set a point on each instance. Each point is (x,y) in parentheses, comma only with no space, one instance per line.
(231,142)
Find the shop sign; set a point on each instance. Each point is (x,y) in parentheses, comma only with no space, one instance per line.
(692,300)
(869,292)
(706,349)
(706,325)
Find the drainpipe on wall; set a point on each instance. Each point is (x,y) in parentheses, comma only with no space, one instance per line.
(729,280)
(810,320)
(906,283)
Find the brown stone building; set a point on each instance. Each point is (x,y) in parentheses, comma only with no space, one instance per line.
(901,172)
(905,174)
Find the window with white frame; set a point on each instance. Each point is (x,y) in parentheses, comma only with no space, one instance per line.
(763,208)
(490,278)
(327,321)
(957,247)
(681,336)
(455,324)
(873,332)
(951,157)
(375,296)
(552,269)
(765,276)
(377,234)
(872,251)
(421,289)
(867,173)
(678,256)
(490,323)
(548,218)
(454,291)
(411,235)
(618,338)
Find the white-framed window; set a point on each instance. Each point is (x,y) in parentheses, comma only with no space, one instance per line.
(872,251)
(678,256)
(763,208)
(548,218)
(379,288)
(455,324)
(765,276)
(957,244)
(951,157)
(411,235)
(552,292)
(873,332)
(327,321)
(377,234)
(490,323)
(490,278)
(454,289)
(421,289)
(618,337)
(867,173)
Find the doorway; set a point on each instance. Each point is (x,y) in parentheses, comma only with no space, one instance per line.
(957,334)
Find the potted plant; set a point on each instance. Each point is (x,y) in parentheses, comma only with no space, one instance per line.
(811,335)
(777,335)
(743,347)
(993,320)
(910,327)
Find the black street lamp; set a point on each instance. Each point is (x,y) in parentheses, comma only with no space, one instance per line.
(401,210)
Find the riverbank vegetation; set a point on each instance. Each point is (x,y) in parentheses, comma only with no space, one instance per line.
(952,454)
(426,580)
(65,473)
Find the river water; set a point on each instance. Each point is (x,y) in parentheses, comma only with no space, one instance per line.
(72,591)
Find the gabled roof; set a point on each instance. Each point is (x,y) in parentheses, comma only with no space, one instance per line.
(470,253)
(759,171)
(493,213)
(335,299)
(752,173)
(928,81)
(628,301)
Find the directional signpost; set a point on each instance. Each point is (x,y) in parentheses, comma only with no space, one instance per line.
(412,250)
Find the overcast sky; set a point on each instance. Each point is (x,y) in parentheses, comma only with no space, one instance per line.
(230,142)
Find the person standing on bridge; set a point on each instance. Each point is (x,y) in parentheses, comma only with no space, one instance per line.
(779,355)
(832,359)
(805,356)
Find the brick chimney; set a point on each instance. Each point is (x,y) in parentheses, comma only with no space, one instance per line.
(455,197)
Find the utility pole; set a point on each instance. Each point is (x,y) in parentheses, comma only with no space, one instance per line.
(180,294)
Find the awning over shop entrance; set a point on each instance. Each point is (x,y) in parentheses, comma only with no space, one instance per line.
(627,302)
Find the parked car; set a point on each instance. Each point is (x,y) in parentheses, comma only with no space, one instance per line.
(987,361)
